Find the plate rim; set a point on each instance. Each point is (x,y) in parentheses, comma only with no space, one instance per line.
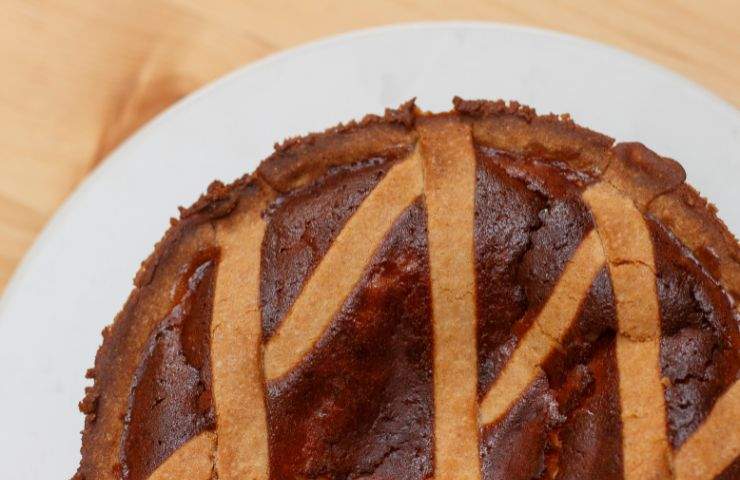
(202,92)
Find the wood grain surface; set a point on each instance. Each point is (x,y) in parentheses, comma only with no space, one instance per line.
(81,75)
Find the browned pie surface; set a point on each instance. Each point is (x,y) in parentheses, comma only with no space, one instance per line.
(479,294)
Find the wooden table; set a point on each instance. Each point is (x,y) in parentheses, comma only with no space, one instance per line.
(81,75)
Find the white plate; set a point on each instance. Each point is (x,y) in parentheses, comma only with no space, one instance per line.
(77,275)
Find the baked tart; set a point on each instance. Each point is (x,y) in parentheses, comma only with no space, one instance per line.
(477,294)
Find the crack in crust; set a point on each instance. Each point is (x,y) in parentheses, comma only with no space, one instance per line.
(629,250)
(656,185)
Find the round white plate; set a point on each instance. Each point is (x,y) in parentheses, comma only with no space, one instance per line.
(78,274)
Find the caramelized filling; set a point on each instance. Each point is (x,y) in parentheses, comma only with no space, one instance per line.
(732,472)
(700,340)
(170,400)
(302,226)
(361,403)
(529,221)
(585,380)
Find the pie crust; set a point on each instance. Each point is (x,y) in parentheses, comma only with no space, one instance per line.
(476,294)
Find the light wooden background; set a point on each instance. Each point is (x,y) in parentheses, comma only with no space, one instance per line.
(78,76)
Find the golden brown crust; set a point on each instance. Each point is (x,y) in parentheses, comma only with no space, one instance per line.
(694,221)
(236,345)
(299,161)
(517,128)
(218,201)
(658,186)
(448,160)
(104,404)
(630,257)
(642,174)
(655,184)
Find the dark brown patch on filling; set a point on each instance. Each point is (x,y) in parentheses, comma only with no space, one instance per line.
(170,400)
(732,472)
(585,380)
(596,321)
(529,221)
(589,442)
(700,340)
(506,215)
(514,448)
(567,424)
(360,405)
(302,226)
